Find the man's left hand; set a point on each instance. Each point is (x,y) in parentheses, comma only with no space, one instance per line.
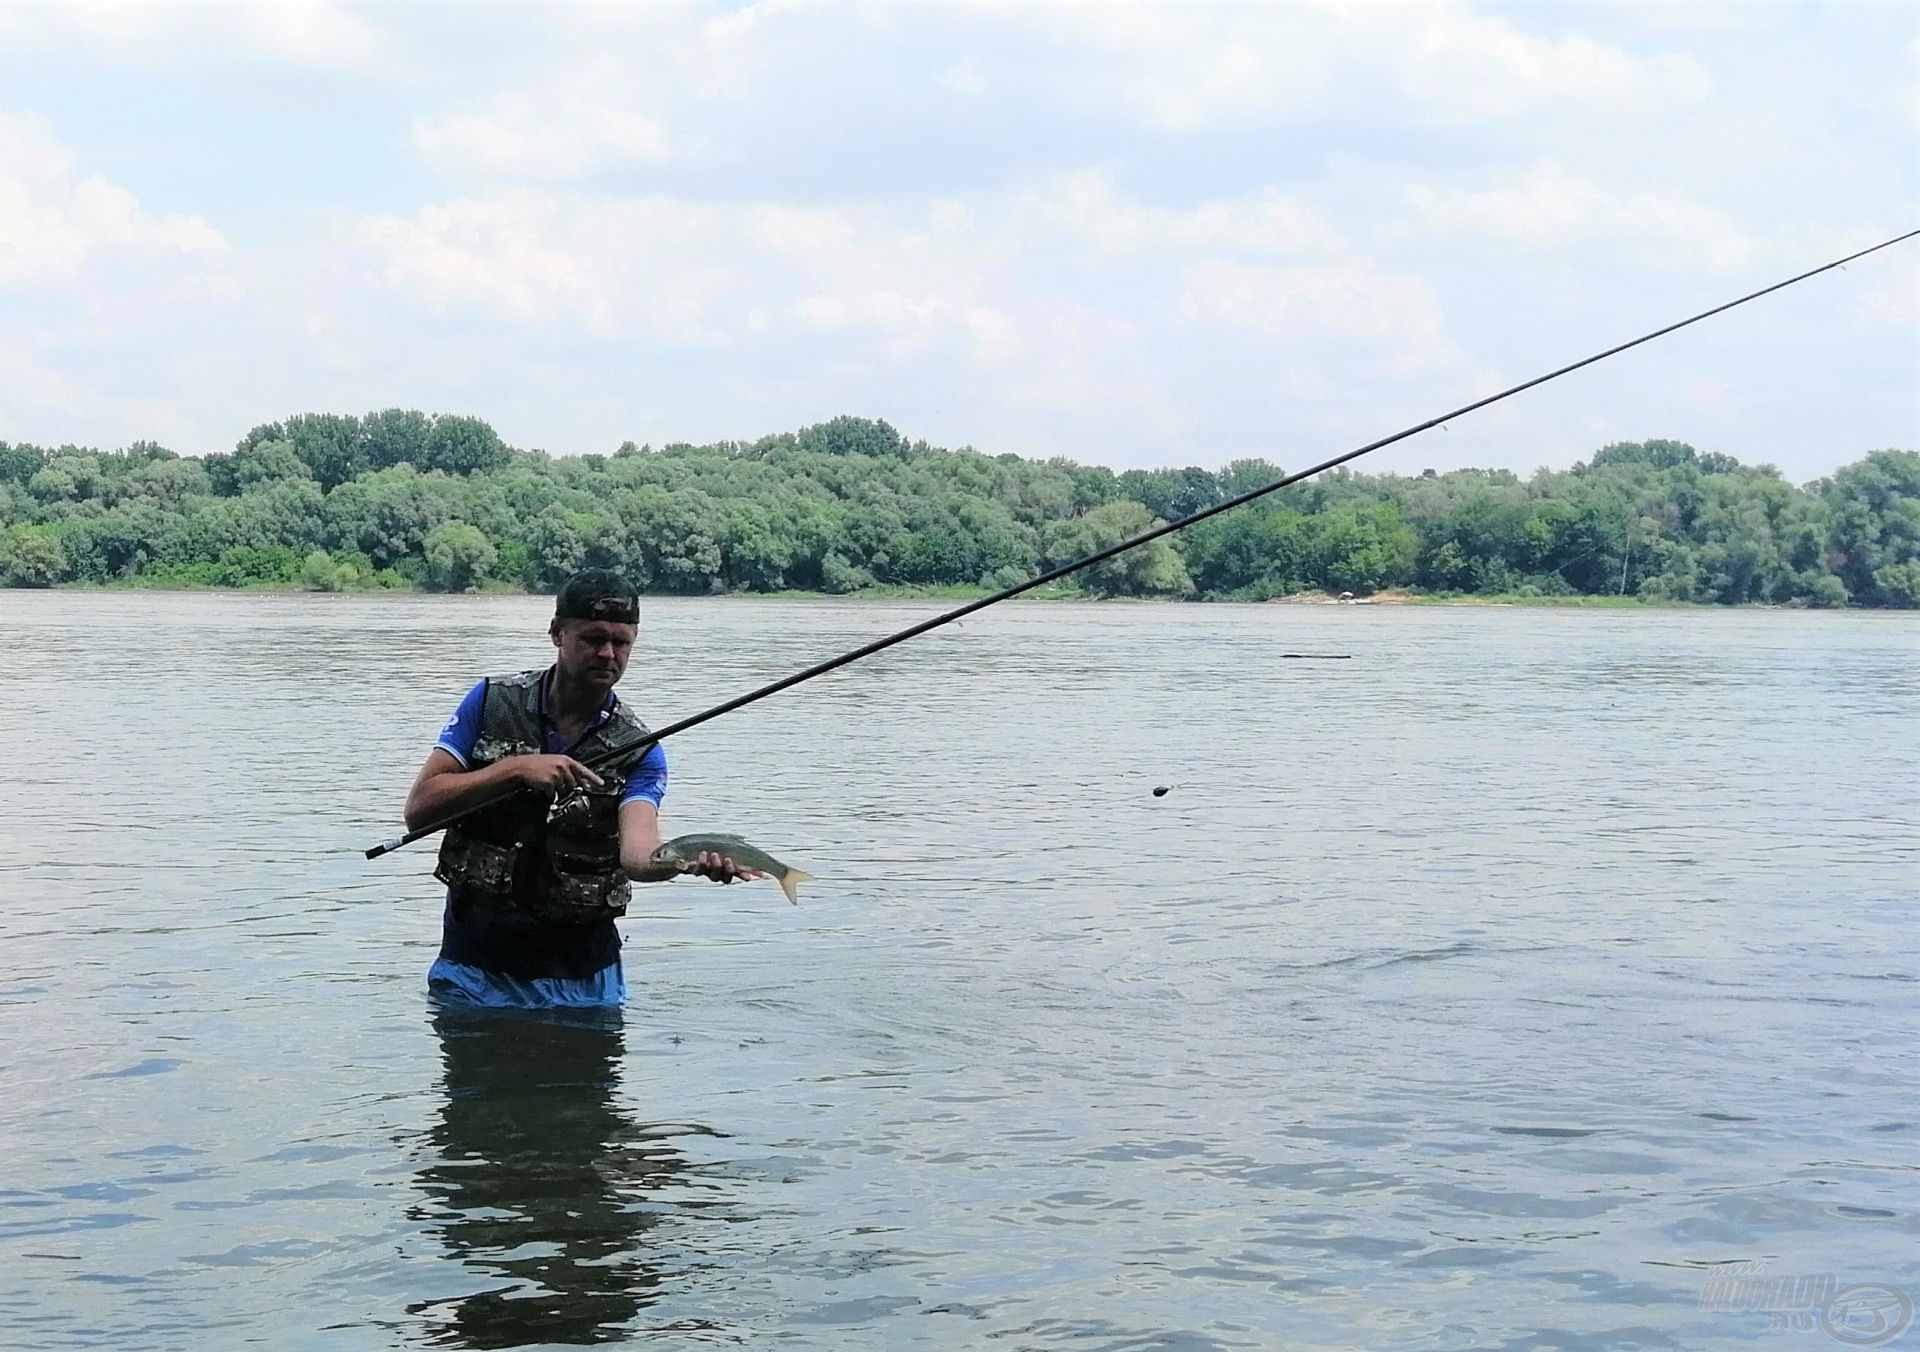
(720,869)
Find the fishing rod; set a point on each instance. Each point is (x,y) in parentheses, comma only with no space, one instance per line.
(1146,537)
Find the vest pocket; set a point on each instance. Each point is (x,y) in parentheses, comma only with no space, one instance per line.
(582,897)
(477,866)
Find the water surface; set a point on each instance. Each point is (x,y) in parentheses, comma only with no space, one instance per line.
(1499,986)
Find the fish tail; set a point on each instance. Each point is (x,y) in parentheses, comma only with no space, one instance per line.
(790,883)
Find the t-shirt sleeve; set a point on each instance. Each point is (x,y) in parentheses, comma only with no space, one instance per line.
(463,729)
(649,778)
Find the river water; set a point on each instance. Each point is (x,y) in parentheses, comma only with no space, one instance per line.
(1529,979)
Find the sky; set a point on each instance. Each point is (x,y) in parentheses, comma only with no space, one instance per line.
(1131,234)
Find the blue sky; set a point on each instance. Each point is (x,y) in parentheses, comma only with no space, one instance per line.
(1134,234)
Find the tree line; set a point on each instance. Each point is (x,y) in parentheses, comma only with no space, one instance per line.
(402,499)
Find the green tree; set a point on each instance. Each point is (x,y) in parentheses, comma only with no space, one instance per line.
(458,556)
(387,515)
(320,572)
(1257,550)
(850,436)
(31,556)
(1898,584)
(1874,507)
(1153,569)
(463,446)
(250,566)
(257,462)
(849,502)
(69,478)
(20,463)
(331,445)
(754,554)
(396,436)
(668,540)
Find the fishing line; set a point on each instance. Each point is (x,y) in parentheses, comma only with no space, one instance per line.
(1146,537)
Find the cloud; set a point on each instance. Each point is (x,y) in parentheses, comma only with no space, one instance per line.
(1397,314)
(1084,204)
(979,271)
(581,119)
(913,318)
(964,77)
(52,222)
(316,33)
(1907,97)
(690,273)
(319,33)
(511,251)
(1897,299)
(1473,66)
(1183,66)
(1548,206)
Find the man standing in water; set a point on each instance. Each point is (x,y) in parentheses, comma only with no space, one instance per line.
(535,881)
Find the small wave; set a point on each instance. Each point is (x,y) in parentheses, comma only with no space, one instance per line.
(1549,1133)
(156,1065)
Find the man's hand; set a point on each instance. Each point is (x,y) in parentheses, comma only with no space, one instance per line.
(552,775)
(720,869)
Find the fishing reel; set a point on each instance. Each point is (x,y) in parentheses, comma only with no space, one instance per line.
(571,808)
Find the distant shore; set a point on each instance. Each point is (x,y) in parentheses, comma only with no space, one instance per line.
(960,593)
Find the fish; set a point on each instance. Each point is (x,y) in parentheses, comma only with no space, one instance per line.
(686,849)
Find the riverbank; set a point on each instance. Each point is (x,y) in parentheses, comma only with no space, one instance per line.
(959,594)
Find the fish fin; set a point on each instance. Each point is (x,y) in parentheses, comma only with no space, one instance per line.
(790,883)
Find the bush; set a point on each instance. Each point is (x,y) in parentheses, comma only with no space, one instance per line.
(31,556)
(322,573)
(458,556)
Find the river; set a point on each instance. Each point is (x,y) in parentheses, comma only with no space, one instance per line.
(1531,978)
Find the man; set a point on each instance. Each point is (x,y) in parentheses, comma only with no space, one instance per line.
(534,881)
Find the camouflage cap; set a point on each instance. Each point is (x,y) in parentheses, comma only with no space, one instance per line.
(598,594)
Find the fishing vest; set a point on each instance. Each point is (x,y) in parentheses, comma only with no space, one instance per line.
(555,861)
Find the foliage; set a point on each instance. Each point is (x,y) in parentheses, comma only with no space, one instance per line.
(399,497)
(31,556)
(457,556)
(1153,569)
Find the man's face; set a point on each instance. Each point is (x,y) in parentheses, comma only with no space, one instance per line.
(593,652)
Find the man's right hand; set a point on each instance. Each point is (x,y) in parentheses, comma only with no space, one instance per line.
(552,775)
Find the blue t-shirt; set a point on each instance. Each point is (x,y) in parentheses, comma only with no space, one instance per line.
(648,781)
(490,957)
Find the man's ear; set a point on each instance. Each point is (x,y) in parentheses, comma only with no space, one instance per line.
(553,632)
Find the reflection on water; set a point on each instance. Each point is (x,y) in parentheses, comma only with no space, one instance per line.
(539,1179)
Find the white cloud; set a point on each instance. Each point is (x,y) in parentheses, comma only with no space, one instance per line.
(579,120)
(1896,300)
(52,222)
(1184,66)
(913,276)
(1548,206)
(964,77)
(727,52)
(1473,66)
(914,318)
(1085,205)
(1907,98)
(696,272)
(317,33)
(512,251)
(1401,315)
